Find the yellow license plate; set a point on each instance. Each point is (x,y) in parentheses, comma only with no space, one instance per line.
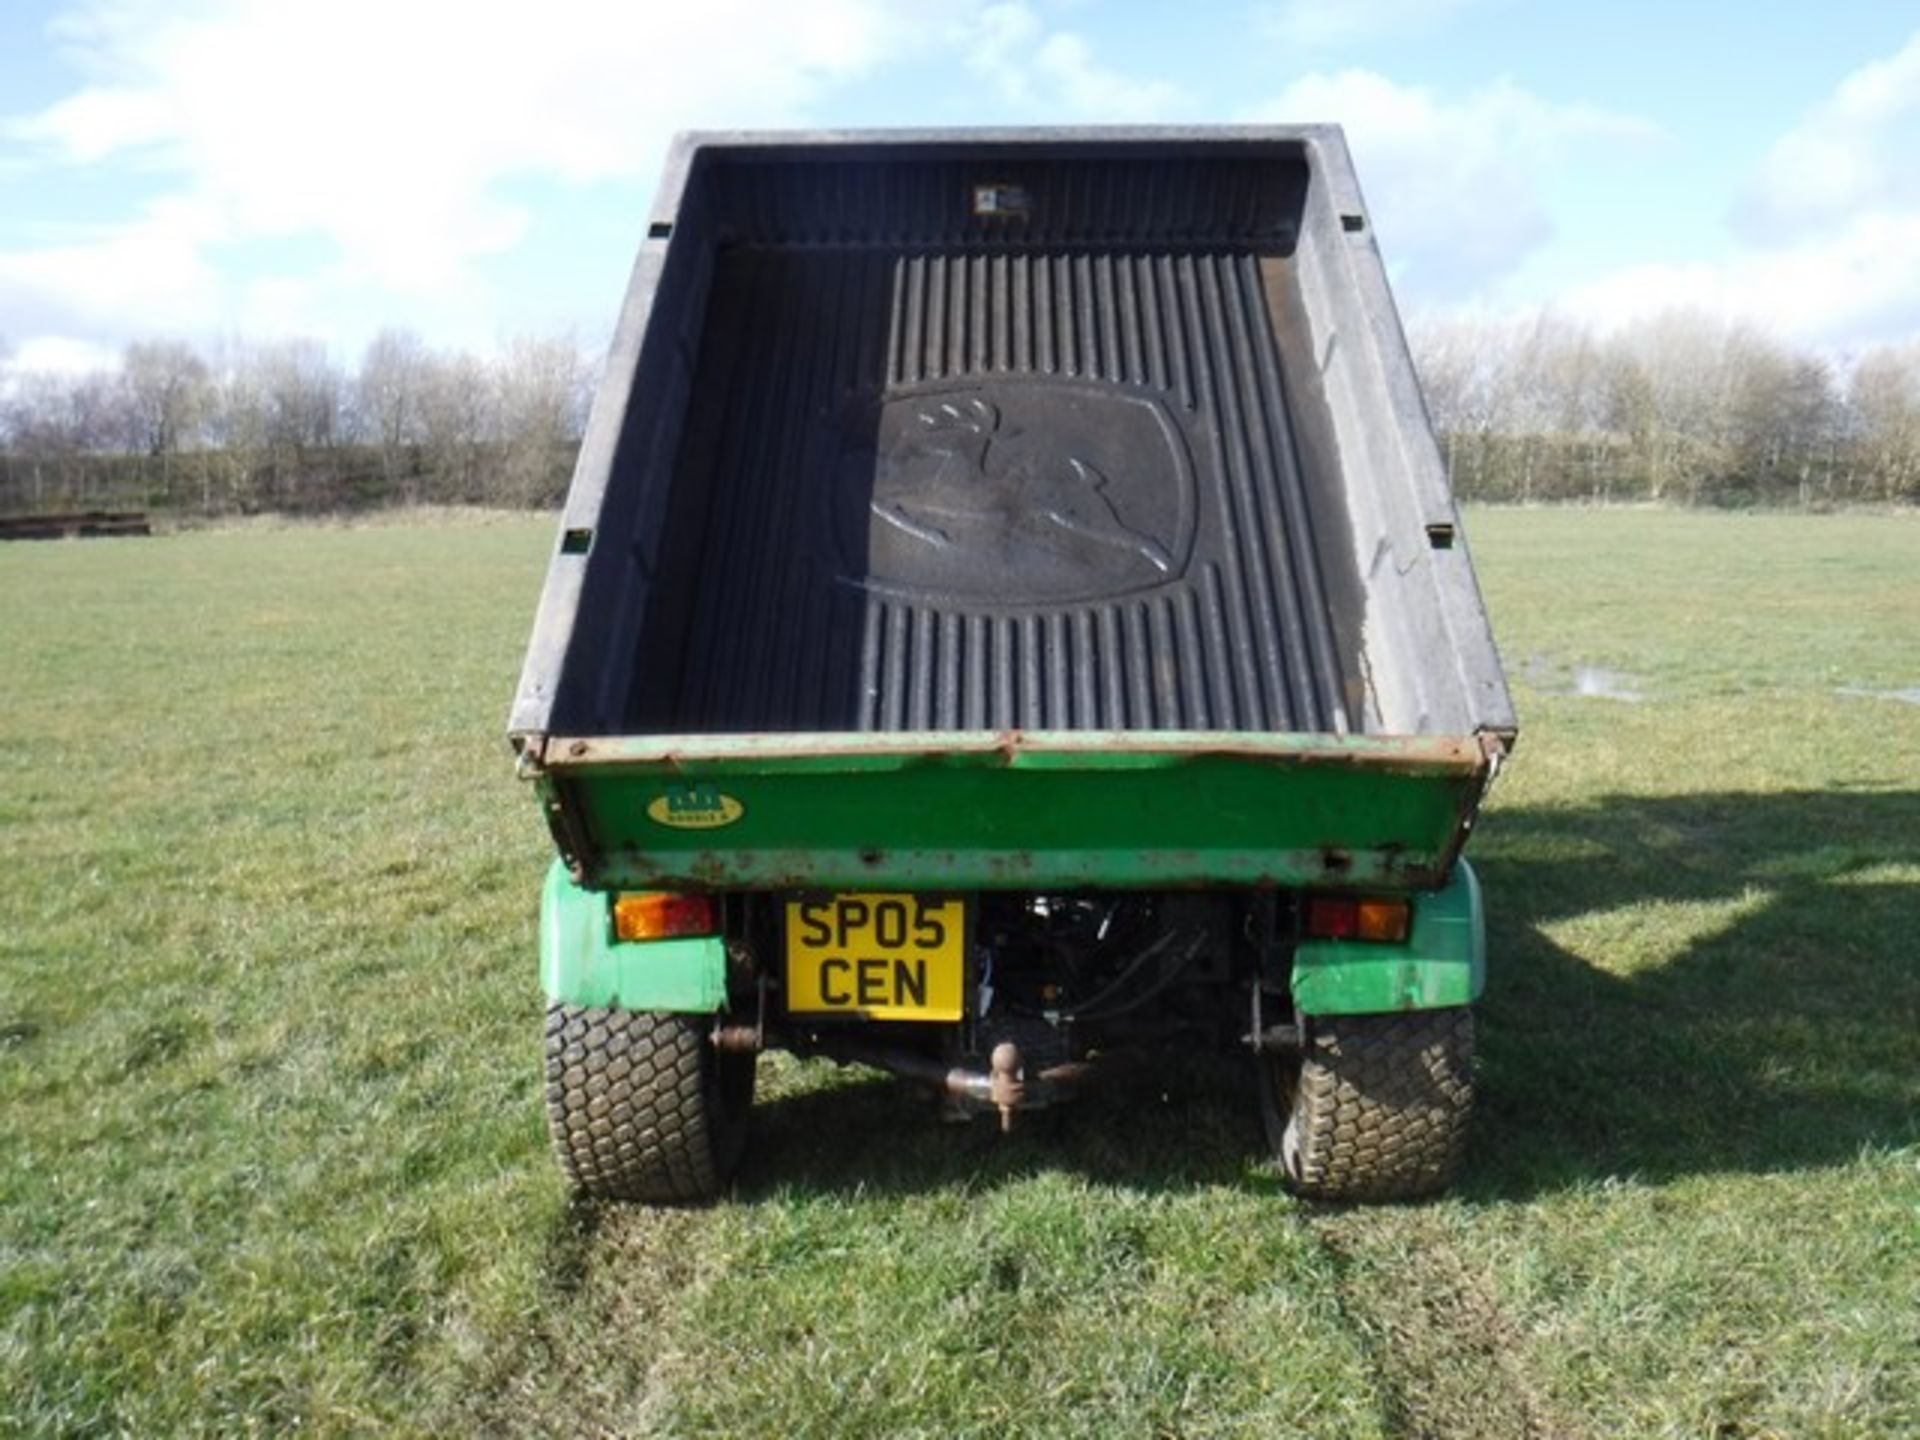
(877,956)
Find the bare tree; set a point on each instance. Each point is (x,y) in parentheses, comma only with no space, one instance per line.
(1783,413)
(167,387)
(297,395)
(168,390)
(303,394)
(541,388)
(389,399)
(457,421)
(1682,354)
(1465,367)
(1680,406)
(1883,402)
(60,426)
(1630,412)
(238,429)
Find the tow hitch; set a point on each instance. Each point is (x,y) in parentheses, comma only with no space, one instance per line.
(1003,1087)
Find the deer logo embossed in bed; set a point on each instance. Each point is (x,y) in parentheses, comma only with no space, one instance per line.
(1013,492)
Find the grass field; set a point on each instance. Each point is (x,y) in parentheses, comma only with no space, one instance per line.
(272,1155)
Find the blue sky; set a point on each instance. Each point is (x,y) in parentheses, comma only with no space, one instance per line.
(474,170)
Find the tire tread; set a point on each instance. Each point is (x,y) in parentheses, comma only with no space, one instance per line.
(1380,1107)
(635,1107)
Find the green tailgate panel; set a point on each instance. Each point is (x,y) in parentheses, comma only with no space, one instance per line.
(1294,810)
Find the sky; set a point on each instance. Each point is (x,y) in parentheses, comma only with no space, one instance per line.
(475,170)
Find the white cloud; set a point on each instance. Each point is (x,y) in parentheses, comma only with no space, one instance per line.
(149,272)
(1828,232)
(398,134)
(390,132)
(1453,181)
(1824,244)
(1856,152)
(1326,24)
(57,355)
(1857,284)
(1056,73)
(389,127)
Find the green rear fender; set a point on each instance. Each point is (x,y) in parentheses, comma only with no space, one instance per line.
(1442,964)
(582,964)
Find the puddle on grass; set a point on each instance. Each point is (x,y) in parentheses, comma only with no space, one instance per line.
(1599,684)
(1592,682)
(1910,695)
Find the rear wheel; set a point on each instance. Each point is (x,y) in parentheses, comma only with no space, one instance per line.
(1375,1108)
(641,1106)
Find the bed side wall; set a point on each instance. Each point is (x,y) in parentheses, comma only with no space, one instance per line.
(1425,642)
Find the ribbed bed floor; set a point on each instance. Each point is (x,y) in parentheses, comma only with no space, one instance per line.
(935,491)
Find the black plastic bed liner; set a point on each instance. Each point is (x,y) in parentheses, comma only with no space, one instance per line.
(1001,431)
(931,487)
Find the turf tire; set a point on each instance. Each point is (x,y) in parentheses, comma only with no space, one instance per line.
(1375,1108)
(641,1106)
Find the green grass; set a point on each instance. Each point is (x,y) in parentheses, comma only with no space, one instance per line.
(272,1154)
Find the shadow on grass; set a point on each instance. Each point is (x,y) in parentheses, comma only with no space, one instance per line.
(1171,1122)
(1759,1009)
(1761,1015)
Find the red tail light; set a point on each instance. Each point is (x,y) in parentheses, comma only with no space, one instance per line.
(1344,917)
(660,915)
(1332,917)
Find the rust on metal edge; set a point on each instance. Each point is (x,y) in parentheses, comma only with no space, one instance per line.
(718,871)
(1412,754)
(1492,747)
(529,754)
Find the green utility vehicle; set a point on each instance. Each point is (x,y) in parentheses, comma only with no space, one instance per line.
(1010,611)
